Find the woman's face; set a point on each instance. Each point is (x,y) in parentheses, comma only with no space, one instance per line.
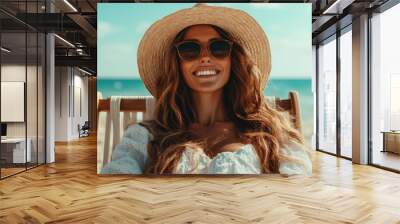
(206,73)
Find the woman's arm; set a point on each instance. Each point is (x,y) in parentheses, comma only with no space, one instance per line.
(297,162)
(130,155)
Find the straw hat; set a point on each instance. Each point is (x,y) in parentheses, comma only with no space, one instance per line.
(159,38)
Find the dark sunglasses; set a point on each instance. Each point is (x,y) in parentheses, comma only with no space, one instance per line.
(190,50)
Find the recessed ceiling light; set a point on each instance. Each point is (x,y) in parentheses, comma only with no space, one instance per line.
(5,50)
(84,71)
(65,41)
(337,7)
(70,5)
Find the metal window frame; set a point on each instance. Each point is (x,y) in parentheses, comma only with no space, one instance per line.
(381,9)
(389,4)
(337,35)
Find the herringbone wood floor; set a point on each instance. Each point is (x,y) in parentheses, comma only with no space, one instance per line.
(70,191)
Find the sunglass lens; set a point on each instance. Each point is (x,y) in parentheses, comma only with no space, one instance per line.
(189,50)
(220,48)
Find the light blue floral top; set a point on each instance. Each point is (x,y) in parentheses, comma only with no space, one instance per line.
(130,155)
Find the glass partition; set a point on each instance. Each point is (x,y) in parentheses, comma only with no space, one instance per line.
(385,89)
(13,95)
(22,90)
(327,96)
(346,93)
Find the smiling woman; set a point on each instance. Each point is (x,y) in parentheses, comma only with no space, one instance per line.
(207,67)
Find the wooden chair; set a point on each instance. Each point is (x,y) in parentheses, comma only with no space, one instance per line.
(131,107)
(290,105)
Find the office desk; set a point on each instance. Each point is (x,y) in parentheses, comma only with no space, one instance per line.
(13,150)
(391,141)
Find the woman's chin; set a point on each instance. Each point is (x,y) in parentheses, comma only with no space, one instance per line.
(208,84)
(208,89)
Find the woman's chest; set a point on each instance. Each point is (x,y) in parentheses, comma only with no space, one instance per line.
(217,140)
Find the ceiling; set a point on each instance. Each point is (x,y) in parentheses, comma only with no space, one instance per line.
(76,22)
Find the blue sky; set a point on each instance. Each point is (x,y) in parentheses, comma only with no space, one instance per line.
(121,26)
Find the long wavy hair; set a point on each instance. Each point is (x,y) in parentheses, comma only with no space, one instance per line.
(259,124)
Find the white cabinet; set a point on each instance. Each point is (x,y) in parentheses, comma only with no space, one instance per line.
(17,147)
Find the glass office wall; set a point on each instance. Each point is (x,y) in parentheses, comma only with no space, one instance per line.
(327,95)
(22,90)
(13,87)
(346,93)
(335,86)
(385,89)
(13,94)
(31,97)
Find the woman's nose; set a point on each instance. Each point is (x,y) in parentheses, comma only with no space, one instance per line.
(204,57)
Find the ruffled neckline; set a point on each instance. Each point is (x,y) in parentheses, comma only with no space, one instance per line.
(244,148)
(243,160)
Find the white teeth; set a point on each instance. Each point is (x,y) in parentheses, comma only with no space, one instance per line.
(206,72)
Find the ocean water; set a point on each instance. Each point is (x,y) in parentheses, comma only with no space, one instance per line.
(276,87)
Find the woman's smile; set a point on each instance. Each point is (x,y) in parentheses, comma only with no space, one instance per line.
(203,72)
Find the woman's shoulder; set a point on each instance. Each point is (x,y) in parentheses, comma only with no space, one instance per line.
(138,132)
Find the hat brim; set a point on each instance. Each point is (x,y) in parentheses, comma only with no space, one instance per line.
(158,39)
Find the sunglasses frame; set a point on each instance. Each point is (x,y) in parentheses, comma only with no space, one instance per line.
(202,47)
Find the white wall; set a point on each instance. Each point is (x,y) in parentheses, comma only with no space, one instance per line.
(16,72)
(70,84)
(81,84)
(61,103)
(33,127)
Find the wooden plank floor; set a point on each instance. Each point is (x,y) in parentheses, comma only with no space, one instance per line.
(70,191)
(10,171)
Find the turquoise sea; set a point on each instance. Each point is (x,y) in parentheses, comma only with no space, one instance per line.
(276,87)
